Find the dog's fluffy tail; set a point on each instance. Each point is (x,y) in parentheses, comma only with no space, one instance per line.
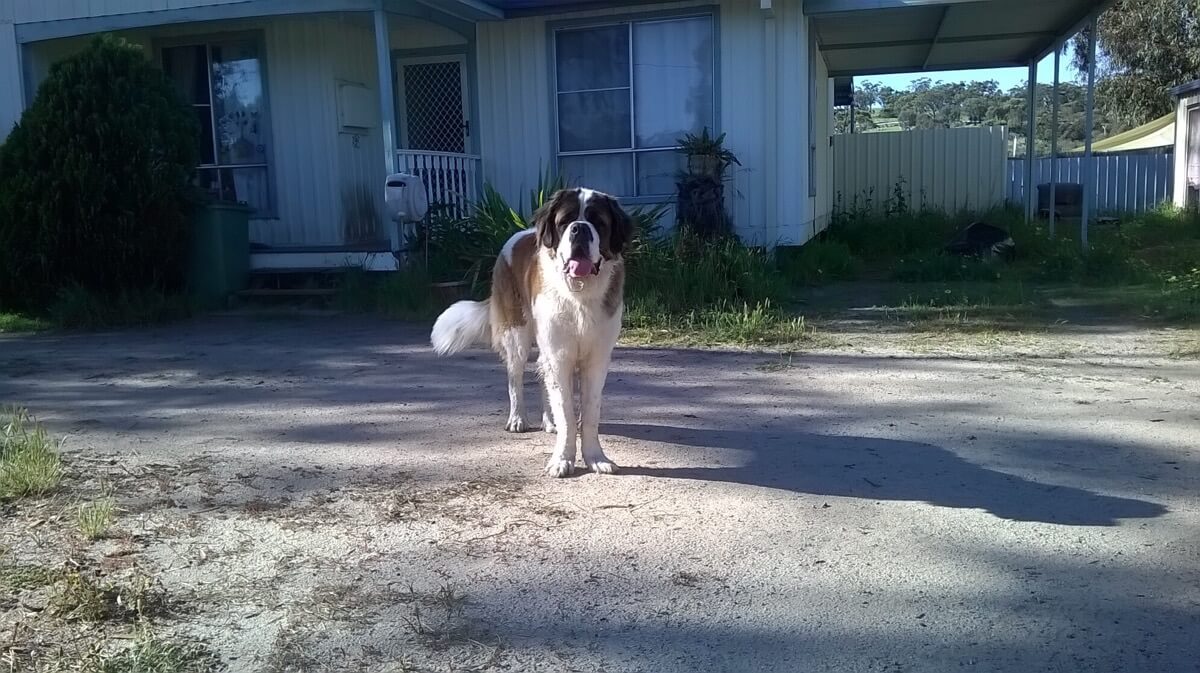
(461,326)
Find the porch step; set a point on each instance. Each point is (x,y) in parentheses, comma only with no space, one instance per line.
(288,292)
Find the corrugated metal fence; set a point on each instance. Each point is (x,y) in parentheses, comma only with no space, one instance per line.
(951,169)
(1131,181)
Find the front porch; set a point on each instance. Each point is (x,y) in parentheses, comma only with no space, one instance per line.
(303,114)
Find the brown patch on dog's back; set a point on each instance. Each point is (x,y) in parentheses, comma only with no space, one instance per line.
(514,285)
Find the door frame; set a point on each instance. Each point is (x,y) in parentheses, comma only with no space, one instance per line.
(400,59)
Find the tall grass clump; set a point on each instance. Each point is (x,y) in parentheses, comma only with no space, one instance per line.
(818,262)
(29,464)
(403,294)
(683,273)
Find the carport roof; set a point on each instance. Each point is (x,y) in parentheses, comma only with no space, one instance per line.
(873,37)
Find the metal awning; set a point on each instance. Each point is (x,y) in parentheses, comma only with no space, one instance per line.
(875,37)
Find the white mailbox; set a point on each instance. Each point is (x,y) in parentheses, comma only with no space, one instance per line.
(407,203)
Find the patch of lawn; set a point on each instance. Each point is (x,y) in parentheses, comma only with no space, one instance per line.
(723,324)
(21,576)
(82,596)
(29,463)
(152,653)
(17,322)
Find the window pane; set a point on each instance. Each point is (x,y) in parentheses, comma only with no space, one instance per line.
(237,185)
(612,173)
(204,137)
(593,58)
(658,171)
(208,180)
(248,186)
(596,120)
(188,68)
(673,79)
(1193,147)
(238,105)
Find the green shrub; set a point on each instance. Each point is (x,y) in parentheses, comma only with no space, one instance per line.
(400,294)
(1181,295)
(881,236)
(94,180)
(1056,261)
(76,307)
(466,248)
(1166,225)
(684,272)
(817,262)
(943,267)
(1112,264)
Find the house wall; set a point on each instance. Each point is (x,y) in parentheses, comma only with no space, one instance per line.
(1181,139)
(328,181)
(11,94)
(406,35)
(768,196)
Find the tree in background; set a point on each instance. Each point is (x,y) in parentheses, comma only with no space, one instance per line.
(926,104)
(95,181)
(1145,47)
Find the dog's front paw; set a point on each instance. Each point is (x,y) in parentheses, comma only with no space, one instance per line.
(559,468)
(603,466)
(516,424)
(547,423)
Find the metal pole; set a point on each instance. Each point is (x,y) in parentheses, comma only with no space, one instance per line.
(1029,142)
(1054,145)
(1089,178)
(387,103)
(853,108)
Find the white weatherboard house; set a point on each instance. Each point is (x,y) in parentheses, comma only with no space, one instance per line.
(306,105)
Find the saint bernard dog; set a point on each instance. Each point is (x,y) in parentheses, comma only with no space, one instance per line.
(562,284)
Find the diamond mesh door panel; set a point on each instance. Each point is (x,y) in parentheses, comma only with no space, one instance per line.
(434,106)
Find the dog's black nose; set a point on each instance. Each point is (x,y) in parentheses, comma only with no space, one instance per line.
(574,227)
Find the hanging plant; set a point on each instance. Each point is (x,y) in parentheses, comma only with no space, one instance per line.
(706,155)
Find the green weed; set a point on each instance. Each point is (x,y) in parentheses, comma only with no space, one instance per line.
(151,653)
(29,463)
(95,518)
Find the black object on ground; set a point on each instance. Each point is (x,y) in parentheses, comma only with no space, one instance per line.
(980,239)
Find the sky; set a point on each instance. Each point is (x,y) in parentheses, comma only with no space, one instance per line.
(1007,77)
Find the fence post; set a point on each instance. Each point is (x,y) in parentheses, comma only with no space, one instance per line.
(1054,144)
(1089,177)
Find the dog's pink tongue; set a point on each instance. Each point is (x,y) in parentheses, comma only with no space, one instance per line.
(578,268)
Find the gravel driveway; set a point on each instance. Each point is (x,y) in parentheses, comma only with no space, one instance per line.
(312,486)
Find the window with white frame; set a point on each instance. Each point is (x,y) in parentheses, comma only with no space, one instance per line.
(223,80)
(625,93)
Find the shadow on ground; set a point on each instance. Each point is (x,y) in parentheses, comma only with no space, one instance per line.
(881,469)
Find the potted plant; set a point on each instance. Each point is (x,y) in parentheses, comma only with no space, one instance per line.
(706,155)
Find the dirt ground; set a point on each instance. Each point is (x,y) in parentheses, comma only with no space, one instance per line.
(322,493)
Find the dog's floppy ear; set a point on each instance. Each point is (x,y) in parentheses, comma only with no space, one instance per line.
(545,219)
(622,227)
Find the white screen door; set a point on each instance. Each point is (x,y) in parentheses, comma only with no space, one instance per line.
(433,103)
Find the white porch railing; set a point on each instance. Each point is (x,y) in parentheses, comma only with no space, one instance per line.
(452,180)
